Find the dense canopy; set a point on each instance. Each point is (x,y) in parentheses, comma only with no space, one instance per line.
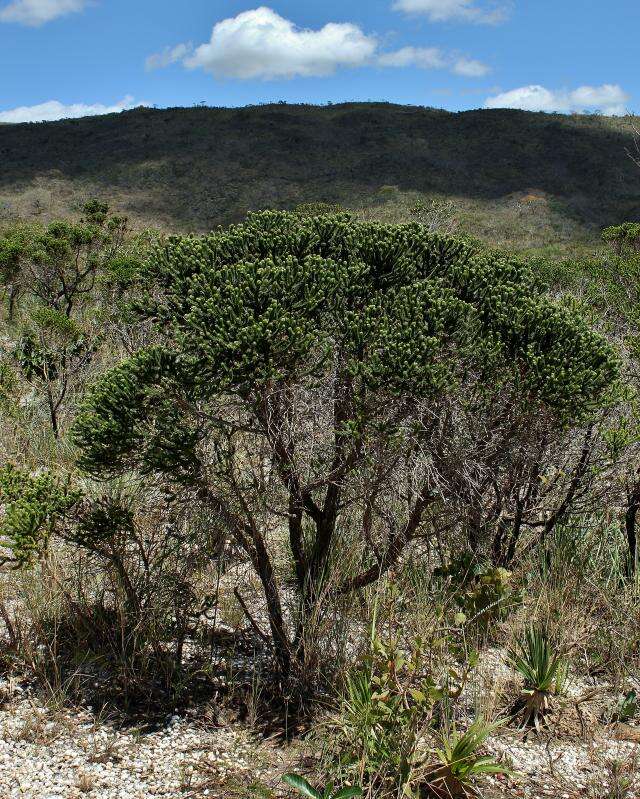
(280,297)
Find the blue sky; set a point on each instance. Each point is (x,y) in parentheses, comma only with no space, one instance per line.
(72,57)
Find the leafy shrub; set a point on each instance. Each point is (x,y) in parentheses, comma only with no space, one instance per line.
(63,279)
(135,573)
(623,237)
(390,703)
(33,507)
(483,593)
(387,704)
(265,326)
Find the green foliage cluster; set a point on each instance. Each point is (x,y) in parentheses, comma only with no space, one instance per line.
(34,506)
(270,300)
(64,284)
(379,322)
(626,708)
(543,669)
(49,343)
(391,705)
(483,593)
(12,248)
(534,658)
(623,237)
(304,788)
(388,704)
(60,263)
(462,761)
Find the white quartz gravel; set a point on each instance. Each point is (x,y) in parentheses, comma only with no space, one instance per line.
(67,755)
(70,754)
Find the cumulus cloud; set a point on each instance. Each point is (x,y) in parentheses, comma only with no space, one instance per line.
(53,109)
(170,55)
(433,58)
(262,44)
(457,10)
(38,12)
(610,99)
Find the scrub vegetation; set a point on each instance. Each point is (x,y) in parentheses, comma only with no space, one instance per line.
(358,473)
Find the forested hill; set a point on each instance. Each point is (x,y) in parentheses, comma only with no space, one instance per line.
(193,168)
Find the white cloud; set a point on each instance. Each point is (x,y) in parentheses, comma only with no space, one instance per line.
(423,57)
(170,55)
(460,10)
(52,110)
(610,99)
(433,58)
(470,68)
(262,44)
(38,12)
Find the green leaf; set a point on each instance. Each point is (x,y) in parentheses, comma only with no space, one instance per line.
(348,793)
(301,785)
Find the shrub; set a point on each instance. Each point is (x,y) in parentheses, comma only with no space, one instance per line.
(623,237)
(387,707)
(483,593)
(64,279)
(127,600)
(306,373)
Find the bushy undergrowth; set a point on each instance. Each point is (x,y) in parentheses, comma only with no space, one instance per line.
(324,466)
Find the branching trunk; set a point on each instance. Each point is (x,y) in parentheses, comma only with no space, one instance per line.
(395,545)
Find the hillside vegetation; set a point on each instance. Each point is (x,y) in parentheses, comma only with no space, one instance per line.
(514,177)
(338,479)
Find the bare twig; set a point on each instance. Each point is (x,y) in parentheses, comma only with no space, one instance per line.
(250,618)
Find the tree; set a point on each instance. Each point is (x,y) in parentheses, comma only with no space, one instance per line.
(13,245)
(64,278)
(61,264)
(309,377)
(148,558)
(51,351)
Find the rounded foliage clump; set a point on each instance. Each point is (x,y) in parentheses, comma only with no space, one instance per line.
(277,298)
(305,370)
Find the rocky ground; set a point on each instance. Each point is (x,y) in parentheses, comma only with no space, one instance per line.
(53,753)
(50,753)
(581,752)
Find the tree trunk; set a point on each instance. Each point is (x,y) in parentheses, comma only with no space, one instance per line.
(630,526)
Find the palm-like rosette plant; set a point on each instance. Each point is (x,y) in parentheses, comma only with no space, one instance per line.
(461,762)
(541,667)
